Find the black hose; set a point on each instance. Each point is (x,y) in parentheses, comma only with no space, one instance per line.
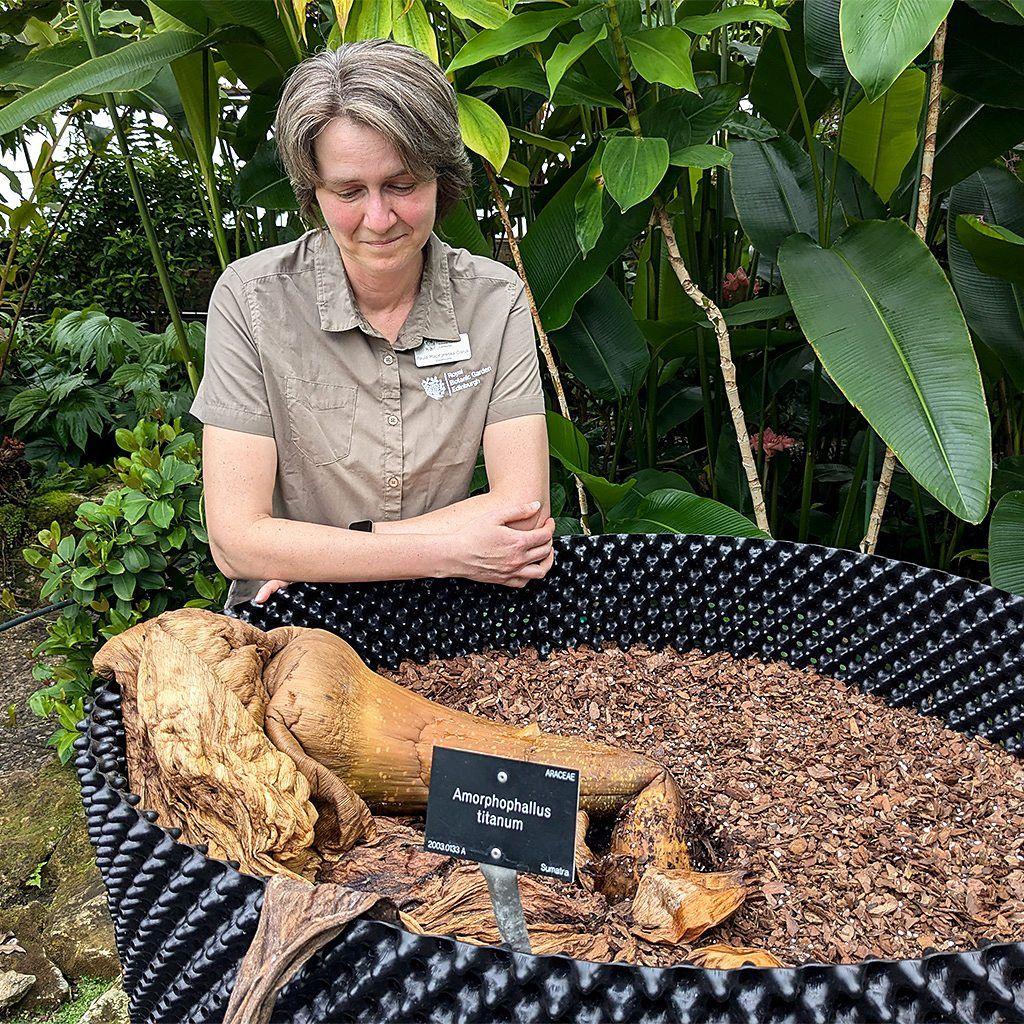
(33,615)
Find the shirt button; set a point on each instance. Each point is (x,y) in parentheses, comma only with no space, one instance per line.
(392,420)
(388,360)
(393,481)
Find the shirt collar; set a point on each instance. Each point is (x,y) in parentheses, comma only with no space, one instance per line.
(432,314)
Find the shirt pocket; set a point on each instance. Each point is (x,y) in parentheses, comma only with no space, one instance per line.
(320,419)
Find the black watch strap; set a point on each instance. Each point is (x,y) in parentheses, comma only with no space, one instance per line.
(366,525)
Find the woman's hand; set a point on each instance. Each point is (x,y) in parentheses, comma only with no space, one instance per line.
(490,551)
(268,588)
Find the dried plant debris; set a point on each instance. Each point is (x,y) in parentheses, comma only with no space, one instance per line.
(870,831)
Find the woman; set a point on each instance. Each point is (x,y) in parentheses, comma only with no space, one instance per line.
(351,374)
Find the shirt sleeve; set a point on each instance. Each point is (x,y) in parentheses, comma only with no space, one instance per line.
(517,389)
(233,393)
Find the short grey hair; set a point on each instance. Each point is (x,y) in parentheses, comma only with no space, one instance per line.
(387,86)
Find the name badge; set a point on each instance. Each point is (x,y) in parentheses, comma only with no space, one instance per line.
(432,353)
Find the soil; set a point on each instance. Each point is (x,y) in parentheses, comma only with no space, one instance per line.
(874,831)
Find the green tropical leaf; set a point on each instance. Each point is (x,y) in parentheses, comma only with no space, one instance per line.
(263,182)
(994,308)
(880,138)
(644,483)
(881,37)
(701,157)
(483,131)
(702,24)
(97,75)
(773,192)
(998,251)
(602,344)
(685,120)
(882,317)
(518,31)
(570,448)
(566,54)
(663,55)
(822,44)
(756,311)
(633,168)
(412,27)
(983,59)
(1006,543)
(675,511)
(771,90)
(486,13)
(557,269)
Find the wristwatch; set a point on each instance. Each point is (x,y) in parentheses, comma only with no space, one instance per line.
(366,525)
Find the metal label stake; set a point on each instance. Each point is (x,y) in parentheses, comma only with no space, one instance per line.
(503,885)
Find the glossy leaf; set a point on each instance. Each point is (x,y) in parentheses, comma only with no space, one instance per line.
(686,120)
(557,269)
(994,308)
(263,182)
(519,30)
(589,204)
(701,24)
(881,37)
(566,54)
(773,192)
(675,511)
(880,138)
(822,44)
(486,13)
(771,90)
(633,168)
(483,131)
(97,75)
(663,55)
(413,28)
(602,344)
(857,198)
(571,449)
(701,157)
(1006,543)
(646,482)
(983,59)
(998,251)
(882,317)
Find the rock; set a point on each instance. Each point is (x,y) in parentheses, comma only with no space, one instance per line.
(50,988)
(51,893)
(109,1008)
(13,987)
(81,938)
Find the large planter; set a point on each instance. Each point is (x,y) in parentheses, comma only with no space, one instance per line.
(917,638)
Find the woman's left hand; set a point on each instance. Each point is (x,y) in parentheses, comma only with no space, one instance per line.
(268,588)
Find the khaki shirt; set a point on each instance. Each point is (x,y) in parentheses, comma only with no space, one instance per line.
(363,430)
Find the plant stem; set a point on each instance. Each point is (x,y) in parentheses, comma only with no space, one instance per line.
(924,199)
(147,223)
(542,334)
(843,527)
(711,310)
(812,436)
(922,526)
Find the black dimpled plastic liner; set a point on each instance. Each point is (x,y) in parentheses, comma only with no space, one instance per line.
(915,637)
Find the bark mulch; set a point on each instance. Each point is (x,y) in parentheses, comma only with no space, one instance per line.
(874,831)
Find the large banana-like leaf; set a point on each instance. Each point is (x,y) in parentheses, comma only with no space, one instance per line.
(994,308)
(98,74)
(571,449)
(822,44)
(701,24)
(881,37)
(1006,543)
(676,511)
(771,90)
(984,59)
(262,182)
(602,344)
(557,269)
(880,138)
(998,251)
(773,192)
(882,317)
(970,136)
